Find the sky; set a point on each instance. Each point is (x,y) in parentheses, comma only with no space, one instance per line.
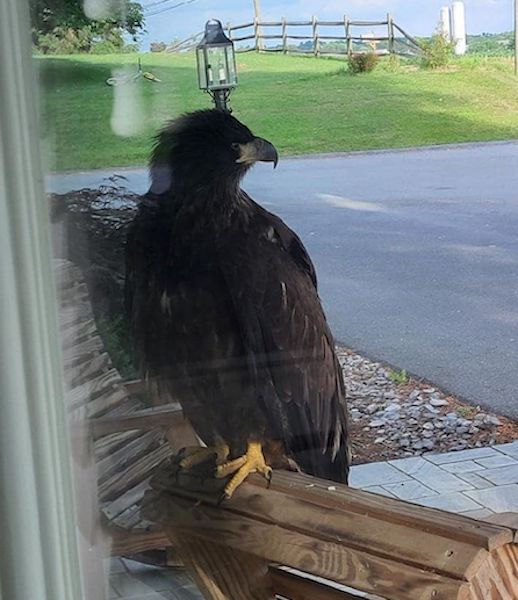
(418,17)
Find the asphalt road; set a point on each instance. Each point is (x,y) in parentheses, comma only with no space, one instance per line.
(416,253)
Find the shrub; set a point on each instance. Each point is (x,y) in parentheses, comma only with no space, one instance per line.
(115,334)
(129,49)
(104,47)
(392,64)
(157,47)
(64,40)
(438,51)
(362,63)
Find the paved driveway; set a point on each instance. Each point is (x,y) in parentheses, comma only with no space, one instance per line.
(417,256)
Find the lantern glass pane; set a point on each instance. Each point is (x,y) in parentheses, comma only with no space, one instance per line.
(217,75)
(202,68)
(231,66)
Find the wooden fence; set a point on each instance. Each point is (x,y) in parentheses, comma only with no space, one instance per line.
(258,36)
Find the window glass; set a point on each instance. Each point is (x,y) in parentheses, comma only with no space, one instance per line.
(305,275)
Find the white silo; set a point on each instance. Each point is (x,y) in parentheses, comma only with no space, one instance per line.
(458,27)
(445,22)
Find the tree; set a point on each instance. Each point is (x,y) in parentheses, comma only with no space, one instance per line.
(78,25)
(46,15)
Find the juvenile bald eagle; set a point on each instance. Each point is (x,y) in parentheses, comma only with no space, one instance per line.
(223,302)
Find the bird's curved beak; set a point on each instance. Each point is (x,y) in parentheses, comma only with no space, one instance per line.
(258,149)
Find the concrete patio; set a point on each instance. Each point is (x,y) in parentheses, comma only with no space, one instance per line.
(477,483)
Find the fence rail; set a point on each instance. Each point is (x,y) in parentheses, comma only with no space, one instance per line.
(396,41)
(304,538)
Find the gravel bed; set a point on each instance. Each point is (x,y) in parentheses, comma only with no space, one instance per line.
(394,420)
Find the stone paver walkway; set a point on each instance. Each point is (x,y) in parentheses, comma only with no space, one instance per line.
(476,483)
(131,580)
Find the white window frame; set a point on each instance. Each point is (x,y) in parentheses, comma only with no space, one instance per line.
(38,546)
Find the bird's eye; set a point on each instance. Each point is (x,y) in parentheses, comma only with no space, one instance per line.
(235,146)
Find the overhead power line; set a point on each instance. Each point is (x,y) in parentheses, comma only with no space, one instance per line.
(155,3)
(157,11)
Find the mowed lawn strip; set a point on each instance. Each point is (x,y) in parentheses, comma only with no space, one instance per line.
(302,104)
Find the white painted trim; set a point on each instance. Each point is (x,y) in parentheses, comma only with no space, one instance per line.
(38,546)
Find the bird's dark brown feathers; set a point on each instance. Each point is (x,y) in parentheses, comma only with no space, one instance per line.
(225,314)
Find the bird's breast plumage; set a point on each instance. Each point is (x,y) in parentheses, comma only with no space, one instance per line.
(231,322)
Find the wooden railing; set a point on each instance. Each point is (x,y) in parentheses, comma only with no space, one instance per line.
(288,35)
(309,539)
(306,538)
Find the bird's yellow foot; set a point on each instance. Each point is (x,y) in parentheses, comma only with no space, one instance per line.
(196,455)
(251,462)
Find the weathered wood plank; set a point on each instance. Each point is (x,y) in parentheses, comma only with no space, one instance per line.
(373,535)
(124,408)
(75,335)
(144,419)
(88,369)
(126,543)
(72,294)
(124,460)
(94,388)
(222,573)
(138,387)
(394,511)
(374,544)
(119,459)
(316,44)
(142,468)
(284,36)
(105,445)
(289,585)
(74,315)
(111,510)
(111,399)
(66,274)
(301,550)
(243,26)
(181,435)
(507,519)
(124,477)
(128,518)
(362,531)
(81,351)
(498,578)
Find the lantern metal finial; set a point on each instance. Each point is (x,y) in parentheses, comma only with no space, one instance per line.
(217,73)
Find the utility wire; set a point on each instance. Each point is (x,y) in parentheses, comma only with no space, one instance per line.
(165,8)
(154,3)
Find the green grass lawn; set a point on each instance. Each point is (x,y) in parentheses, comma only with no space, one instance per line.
(301,104)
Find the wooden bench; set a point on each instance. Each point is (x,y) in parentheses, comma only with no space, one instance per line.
(305,539)
(118,440)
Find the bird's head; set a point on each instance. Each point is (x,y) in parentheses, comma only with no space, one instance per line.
(206,148)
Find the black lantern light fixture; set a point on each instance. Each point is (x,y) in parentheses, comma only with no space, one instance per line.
(216,60)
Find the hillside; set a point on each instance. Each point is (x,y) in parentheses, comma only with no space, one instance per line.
(491,44)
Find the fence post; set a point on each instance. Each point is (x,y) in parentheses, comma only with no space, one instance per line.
(316,48)
(229,30)
(284,36)
(390,25)
(348,41)
(256,34)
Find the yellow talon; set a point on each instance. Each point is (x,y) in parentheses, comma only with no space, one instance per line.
(198,455)
(251,462)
